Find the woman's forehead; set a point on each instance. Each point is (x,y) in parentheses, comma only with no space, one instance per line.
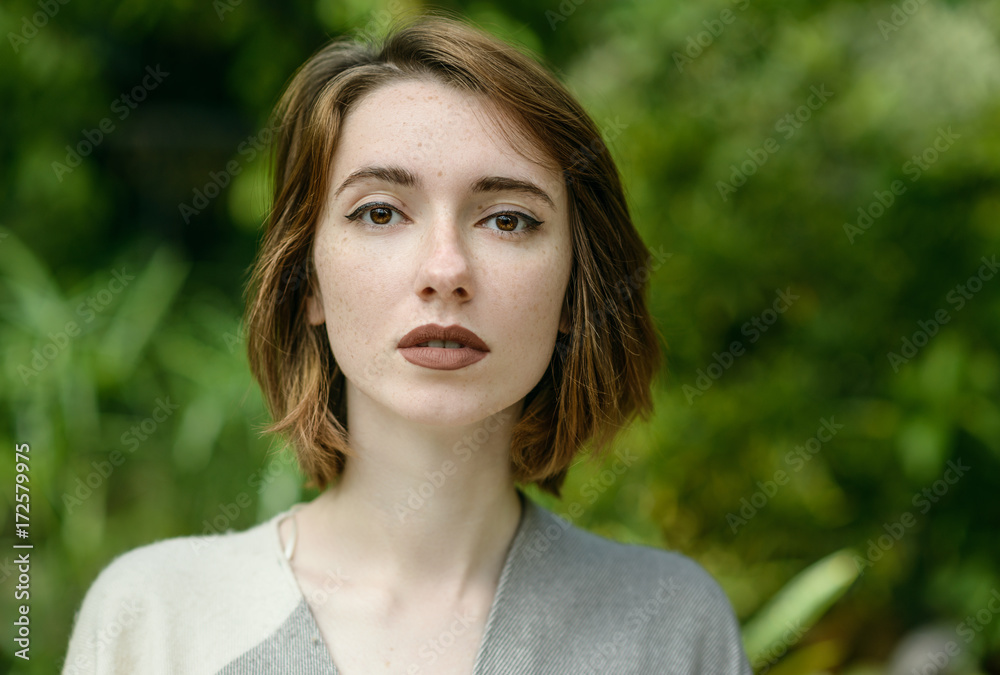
(434,129)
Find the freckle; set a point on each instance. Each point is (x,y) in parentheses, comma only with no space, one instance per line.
(439,173)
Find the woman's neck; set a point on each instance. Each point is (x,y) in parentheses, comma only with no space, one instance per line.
(419,507)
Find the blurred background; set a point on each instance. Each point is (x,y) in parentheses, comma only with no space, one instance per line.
(819,183)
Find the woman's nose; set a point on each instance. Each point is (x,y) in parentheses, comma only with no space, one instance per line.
(445,266)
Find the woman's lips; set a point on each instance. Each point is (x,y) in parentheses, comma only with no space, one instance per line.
(431,332)
(442,358)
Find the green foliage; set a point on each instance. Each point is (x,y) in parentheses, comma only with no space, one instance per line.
(795,608)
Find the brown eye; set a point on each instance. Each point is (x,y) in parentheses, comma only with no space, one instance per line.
(506,222)
(375,215)
(380,215)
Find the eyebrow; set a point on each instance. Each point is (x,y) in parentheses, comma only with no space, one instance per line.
(403,177)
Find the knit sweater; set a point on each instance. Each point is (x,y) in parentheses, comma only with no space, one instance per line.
(568,601)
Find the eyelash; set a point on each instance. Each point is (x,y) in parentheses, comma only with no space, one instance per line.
(530,223)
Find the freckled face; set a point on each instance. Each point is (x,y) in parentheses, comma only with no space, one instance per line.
(424,242)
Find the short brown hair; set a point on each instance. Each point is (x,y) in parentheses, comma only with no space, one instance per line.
(600,372)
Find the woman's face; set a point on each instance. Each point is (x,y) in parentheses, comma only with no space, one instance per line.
(411,236)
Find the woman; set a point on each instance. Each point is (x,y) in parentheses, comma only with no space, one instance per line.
(437,314)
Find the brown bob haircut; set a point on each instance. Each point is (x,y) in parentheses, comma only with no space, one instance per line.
(600,373)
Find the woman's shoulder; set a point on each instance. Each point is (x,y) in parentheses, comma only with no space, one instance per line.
(599,559)
(183,591)
(656,610)
(183,560)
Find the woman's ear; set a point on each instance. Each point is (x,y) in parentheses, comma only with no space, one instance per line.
(314,309)
(564,324)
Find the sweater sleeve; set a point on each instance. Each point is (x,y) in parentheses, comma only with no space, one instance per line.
(722,649)
(183,605)
(716,645)
(108,630)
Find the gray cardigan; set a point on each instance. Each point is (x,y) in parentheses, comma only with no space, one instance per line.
(568,601)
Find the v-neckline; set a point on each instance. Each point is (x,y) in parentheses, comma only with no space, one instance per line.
(512,551)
